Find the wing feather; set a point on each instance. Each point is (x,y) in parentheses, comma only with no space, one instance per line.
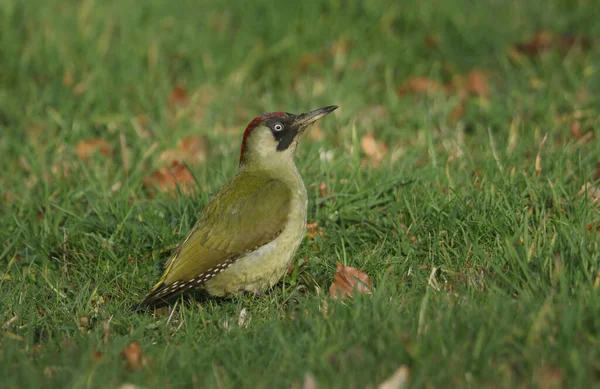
(232,223)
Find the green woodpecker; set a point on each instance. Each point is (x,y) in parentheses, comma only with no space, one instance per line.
(249,231)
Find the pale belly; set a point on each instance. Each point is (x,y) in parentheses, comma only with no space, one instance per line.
(259,270)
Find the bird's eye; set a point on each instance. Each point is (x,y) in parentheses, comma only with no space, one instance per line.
(278,127)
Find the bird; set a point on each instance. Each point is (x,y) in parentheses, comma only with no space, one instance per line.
(248,232)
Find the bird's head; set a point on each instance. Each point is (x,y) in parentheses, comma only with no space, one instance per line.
(273,137)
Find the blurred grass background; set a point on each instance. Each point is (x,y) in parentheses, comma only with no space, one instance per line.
(481,239)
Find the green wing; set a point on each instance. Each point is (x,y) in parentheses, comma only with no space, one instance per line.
(234,222)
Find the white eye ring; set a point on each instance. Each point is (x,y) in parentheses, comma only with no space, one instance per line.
(278,127)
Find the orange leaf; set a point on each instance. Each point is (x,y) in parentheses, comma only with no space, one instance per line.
(86,148)
(133,356)
(171,176)
(323,189)
(178,96)
(191,149)
(419,85)
(477,83)
(313,230)
(373,149)
(348,280)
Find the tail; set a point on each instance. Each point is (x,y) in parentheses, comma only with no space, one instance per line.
(161,294)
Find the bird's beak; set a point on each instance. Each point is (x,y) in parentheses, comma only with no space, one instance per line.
(305,119)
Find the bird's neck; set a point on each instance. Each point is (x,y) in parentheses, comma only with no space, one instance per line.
(280,166)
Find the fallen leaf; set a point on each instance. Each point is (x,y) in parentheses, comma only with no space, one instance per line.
(191,149)
(590,227)
(313,230)
(97,355)
(87,148)
(419,85)
(398,380)
(597,172)
(373,149)
(323,187)
(539,42)
(133,356)
(178,96)
(169,177)
(477,83)
(575,130)
(348,280)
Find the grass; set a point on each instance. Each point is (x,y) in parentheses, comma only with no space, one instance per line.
(486,267)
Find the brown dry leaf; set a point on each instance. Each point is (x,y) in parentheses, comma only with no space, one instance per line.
(398,380)
(178,97)
(477,84)
(169,177)
(540,42)
(597,172)
(87,148)
(97,355)
(348,280)
(419,85)
(313,230)
(133,356)
(575,130)
(373,149)
(323,189)
(191,149)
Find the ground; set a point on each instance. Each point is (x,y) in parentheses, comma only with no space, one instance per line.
(459,174)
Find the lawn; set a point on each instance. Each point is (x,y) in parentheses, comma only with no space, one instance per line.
(460,174)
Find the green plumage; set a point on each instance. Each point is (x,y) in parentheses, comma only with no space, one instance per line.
(232,223)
